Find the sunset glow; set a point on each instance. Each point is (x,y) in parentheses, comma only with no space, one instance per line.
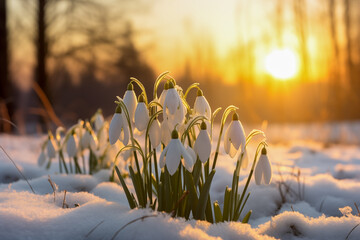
(281,64)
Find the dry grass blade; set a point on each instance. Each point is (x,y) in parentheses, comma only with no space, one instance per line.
(18,169)
(47,105)
(135,220)
(357,208)
(52,186)
(64,201)
(94,228)
(347,237)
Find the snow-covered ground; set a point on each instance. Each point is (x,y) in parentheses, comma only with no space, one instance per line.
(316,181)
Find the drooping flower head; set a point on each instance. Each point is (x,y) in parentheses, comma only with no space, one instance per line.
(202,144)
(155,133)
(99,120)
(173,110)
(201,105)
(72,145)
(172,154)
(130,101)
(51,147)
(234,137)
(263,173)
(119,128)
(163,94)
(141,114)
(89,139)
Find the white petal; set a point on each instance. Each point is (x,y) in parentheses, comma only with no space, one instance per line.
(173,156)
(85,140)
(115,128)
(232,151)
(191,152)
(258,172)
(163,157)
(155,133)
(165,132)
(130,101)
(99,121)
(41,159)
(237,135)
(126,135)
(162,97)
(202,107)
(202,146)
(226,140)
(51,148)
(189,157)
(172,100)
(267,170)
(141,116)
(71,146)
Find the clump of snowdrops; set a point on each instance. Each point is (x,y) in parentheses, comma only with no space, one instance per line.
(83,148)
(179,181)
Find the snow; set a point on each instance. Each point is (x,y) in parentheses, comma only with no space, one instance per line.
(316,181)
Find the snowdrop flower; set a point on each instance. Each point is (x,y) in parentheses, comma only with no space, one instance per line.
(99,120)
(234,137)
(263,171)
(192,154)
(50,147)
(119,128)
(71,145)
(201,105)
(173,109)
(202,145)
(172,100)
(155,133)
(41,159)
(88,140)
(163,94)
(165,132)
(141,114)
(130,101)
(172,154)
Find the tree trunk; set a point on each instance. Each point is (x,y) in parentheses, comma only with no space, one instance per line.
(6,103)
(41,45)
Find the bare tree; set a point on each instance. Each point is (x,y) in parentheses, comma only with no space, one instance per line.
(42,47)
(6,103)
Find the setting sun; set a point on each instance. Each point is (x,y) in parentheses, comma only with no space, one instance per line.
(281,64)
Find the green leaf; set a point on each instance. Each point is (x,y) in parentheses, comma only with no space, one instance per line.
(217,212)
(226,204)
(138,187)
(167,191)
(193,201)
(247,217)
(204,194)
(197,171)
(208,211)
(132,204)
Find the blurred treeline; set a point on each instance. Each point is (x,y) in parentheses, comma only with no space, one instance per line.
(81,54)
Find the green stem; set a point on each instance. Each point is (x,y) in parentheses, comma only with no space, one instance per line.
(63,161)
(83,160)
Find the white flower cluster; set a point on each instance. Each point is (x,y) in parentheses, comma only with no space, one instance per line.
(82,138)
(175,118)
